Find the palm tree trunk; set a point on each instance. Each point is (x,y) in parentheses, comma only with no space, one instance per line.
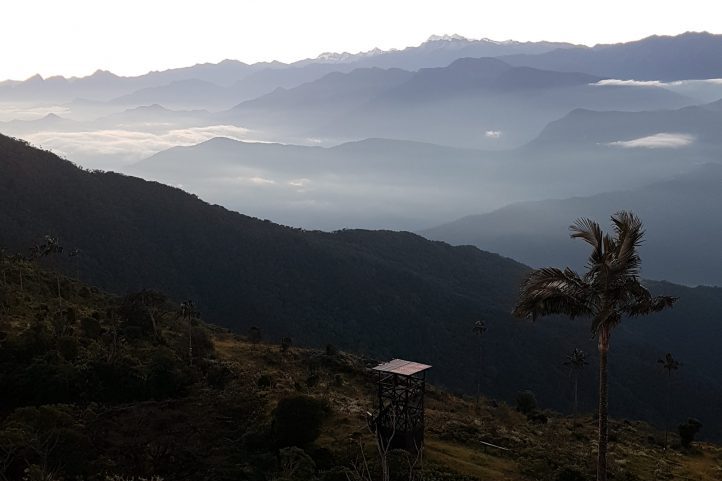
(478,377)
(576,395)
(603,404)
(60,298)
(666,414)
(190,342)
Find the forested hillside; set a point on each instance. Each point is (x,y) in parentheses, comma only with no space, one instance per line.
(99,387)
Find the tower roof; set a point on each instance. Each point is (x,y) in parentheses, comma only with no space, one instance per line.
(402,367)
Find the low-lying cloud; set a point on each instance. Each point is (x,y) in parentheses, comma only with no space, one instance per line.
(657,141)
(701,91)
(127,146)
(629,83)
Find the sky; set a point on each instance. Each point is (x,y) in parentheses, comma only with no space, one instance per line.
(131,37)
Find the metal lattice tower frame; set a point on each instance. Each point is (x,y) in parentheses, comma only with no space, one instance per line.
(399,417)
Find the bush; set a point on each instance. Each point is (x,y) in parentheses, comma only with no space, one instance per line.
(165,376)
(569,474)
(91,327)
(297,420)
(296,465)
(254,335)
(68,347)
(525,402)
(286,343)
(312,380)
(688,431)
(264,381)
(218,374)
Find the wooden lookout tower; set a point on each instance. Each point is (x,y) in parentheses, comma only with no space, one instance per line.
(399,418)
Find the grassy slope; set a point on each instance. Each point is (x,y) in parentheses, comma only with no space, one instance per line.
(456,428)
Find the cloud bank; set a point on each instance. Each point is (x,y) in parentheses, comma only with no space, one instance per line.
(129,145)
(656,141)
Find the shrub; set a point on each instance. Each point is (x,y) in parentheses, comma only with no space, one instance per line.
(254,335)
(296,465)
(264,381)
(688,431)
(537,417)
(297,420)
(91,327)
(286,343)
(312,380)
(218,375)
(525,402)
(165,377)
(569,474)
(68,347)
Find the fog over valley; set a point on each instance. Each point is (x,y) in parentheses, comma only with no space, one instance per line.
(408,139)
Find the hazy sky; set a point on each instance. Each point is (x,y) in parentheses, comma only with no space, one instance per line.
(76,37)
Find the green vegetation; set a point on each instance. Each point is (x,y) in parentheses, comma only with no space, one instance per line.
(95,393)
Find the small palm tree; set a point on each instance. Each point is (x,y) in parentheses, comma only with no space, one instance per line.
(608,292)
(75,254)
(669,363)
(479,329)
(50,247)
(188,312)
(576,362)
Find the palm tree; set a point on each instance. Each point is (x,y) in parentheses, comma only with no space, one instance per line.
(75,254)
(670,364)
(479,329)
(608,292)
(576,362)
(50,247)
(188,312)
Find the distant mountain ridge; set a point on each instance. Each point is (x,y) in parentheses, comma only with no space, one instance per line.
(691,55)
(473,102)
(680,216)
(245,81)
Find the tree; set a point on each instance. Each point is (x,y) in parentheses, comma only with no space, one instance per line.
(688,431)
(75,254)
(576,362)
(50,247)
(669,363)
(608,292)
(525,402)
(188,312)
(286,343)
(479,329)
(254,335)
(297,420)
